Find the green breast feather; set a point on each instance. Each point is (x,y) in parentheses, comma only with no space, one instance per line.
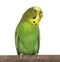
(27,38)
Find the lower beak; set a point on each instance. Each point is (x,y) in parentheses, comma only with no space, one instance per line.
(41,15)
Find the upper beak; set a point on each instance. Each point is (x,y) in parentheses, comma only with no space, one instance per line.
(41,14)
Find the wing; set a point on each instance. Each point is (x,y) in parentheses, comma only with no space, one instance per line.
(17,42)
(38,41)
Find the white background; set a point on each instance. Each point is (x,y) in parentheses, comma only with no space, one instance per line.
(10,14)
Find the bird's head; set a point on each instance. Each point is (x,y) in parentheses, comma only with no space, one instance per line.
(33,15)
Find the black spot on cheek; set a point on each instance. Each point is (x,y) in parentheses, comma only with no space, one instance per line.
(36,24)
(33,21)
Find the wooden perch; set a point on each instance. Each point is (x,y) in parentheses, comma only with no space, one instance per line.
(33,58)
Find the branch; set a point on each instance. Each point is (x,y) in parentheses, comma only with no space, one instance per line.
(33,58)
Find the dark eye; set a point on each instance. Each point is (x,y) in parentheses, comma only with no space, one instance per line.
(34,10)
(34,17)
(40,12)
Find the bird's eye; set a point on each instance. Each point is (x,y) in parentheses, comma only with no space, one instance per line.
(40,12)
(34,17)
(34,10)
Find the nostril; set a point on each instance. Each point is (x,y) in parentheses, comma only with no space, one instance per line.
(33,21)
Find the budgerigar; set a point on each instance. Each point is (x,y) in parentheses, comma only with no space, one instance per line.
(27,32)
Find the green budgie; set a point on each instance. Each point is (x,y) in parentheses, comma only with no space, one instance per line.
(27,32)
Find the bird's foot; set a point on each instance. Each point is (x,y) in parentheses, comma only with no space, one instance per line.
(21,56)
(37,55)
